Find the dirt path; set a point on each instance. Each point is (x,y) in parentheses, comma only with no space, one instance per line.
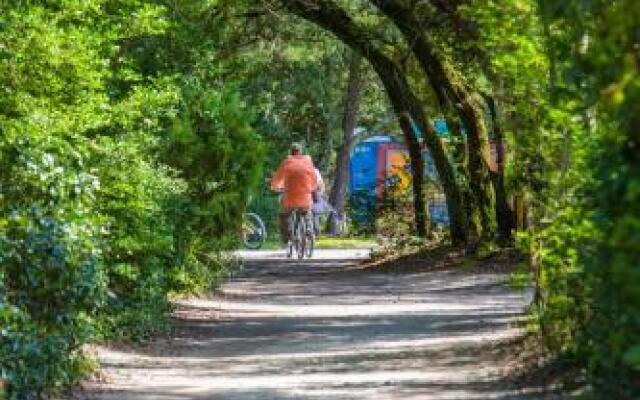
(321,330)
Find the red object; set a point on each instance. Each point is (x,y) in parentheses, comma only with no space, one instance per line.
(297,177)
(382,168)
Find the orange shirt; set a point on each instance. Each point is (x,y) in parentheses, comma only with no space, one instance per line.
(297,176)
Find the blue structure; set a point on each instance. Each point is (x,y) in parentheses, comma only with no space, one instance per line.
(438,213)
(441,127)
(439,124)
(368,166)
(364,164)
(364,175)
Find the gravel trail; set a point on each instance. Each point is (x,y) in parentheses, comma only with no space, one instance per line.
(323,329)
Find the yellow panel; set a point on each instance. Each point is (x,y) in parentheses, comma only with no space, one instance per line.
(398,165)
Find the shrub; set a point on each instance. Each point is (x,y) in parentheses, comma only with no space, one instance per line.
(50,262)
(137,198)
(213,147)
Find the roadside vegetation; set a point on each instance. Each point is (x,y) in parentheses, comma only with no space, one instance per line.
(134,134)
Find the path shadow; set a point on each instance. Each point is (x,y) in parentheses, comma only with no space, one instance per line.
(323,330)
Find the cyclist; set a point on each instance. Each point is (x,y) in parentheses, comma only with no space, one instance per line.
(320,204)
(296,178)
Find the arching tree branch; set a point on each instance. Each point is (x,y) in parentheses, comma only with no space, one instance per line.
(330,16)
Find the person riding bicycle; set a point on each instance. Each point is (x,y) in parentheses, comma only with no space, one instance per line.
(296,178)
(320,204)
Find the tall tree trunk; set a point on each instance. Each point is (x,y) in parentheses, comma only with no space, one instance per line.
(329,16)
(353,94)
(460,155)
(479,171)
(504,216)
(443,78)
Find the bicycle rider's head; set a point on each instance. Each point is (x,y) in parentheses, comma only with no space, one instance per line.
(296,149)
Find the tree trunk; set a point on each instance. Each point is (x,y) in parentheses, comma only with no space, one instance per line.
(460,155)
(329,16)
(445,79)
(504,214)
(479,171)
(337,196)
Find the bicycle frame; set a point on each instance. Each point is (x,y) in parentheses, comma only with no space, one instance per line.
(301,238)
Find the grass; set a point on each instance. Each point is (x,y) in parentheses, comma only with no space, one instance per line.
(345,243)
(331,243)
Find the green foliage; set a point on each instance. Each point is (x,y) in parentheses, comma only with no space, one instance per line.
(137,196)
(212,145)
(128,155)
(119,182)
(567,75)
(53,282)
(34,359)
(586,244)
(612,64)
(52,277)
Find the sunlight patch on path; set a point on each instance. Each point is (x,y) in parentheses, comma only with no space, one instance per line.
(249,310)
(319,254)
(313,330)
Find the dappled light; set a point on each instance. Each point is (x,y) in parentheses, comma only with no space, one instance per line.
(318,199)
(315,330)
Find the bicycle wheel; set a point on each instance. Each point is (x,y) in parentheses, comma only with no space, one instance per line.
(310,242)
(254,232)
(291,230)
(290,249)
(302,228)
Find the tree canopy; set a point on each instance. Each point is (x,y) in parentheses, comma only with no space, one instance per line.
(134,133)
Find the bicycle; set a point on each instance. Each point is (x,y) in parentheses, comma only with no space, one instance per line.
(301,236)
(254,232)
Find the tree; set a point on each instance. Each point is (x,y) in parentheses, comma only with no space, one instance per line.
(352,97)
(596,83)
(406,105)
(449,84)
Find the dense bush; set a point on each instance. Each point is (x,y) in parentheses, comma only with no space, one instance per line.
(50,258)
(213,147)
(137,198)
(118,188)
(572,112)
(590,300)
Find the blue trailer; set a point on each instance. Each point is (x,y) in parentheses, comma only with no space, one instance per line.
(369,168)
(365,165)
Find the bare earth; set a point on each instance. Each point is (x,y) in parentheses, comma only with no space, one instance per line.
(322,329)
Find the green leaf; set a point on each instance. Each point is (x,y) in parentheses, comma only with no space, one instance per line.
(631,357)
